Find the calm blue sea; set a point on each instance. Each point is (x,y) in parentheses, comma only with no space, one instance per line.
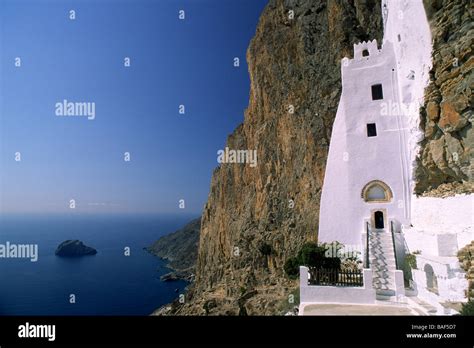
(108,283)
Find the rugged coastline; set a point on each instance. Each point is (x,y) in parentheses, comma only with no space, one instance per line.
(179,249)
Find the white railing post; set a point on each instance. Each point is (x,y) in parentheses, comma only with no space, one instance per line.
(303,276)
(367,278)
(399,283)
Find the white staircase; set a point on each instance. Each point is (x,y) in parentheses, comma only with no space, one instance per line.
(382,263)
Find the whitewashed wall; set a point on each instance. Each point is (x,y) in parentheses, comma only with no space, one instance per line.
(407,27)
(451,280)
(354,159)
(335,294)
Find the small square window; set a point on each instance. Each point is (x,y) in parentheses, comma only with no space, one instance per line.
(371,130)
(377,92)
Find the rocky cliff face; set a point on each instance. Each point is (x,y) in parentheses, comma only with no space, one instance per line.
(447,151)
(180,250)
(256,218)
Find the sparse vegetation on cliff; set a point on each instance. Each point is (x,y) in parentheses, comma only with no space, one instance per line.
(468,308)
(466,259)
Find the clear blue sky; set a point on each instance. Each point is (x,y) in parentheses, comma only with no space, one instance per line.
(173,62)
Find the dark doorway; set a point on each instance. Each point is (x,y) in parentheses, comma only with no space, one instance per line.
(378,217)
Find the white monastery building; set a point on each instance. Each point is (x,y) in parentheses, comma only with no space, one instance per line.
(367,198)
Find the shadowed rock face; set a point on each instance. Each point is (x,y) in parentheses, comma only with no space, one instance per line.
(74,248)
(180,250)
(249,226)
(447,151)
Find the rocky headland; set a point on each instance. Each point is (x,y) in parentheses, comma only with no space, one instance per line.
(180,250)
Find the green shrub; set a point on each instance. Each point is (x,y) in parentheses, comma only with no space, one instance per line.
(313,256)
(468,308)
(292,267)
(410,260)
(409,264)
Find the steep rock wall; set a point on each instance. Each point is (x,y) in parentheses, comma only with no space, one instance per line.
(447,152)
(249,225)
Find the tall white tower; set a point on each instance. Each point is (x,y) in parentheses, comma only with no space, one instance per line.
(376,132)
(366,174)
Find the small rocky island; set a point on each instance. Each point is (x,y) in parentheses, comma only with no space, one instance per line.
(74,248)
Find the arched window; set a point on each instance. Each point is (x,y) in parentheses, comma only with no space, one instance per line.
(365,53)
(377,191)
